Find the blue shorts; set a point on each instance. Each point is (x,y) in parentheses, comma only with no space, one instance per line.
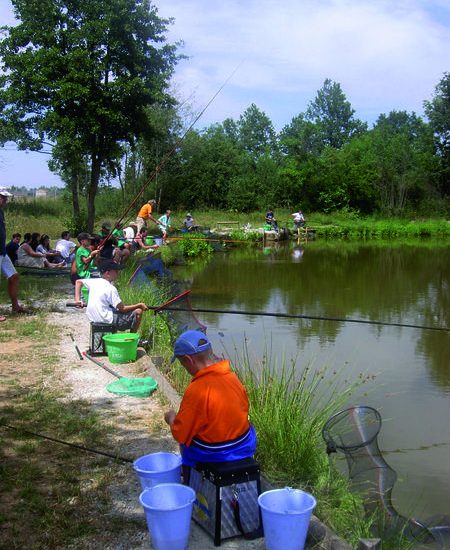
(198,451)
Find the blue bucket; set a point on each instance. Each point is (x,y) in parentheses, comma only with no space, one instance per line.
(158,468)
(168,510)
(286,514)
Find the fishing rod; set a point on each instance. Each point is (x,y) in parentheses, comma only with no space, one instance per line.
(299,316)
(67,443)
(205,239)
(169,155)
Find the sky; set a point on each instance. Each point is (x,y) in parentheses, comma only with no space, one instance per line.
(385,54)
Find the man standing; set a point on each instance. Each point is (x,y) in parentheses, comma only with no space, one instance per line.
(6,267)
(144,214)
(212,423)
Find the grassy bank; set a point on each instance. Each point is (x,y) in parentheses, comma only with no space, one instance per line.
(52,216)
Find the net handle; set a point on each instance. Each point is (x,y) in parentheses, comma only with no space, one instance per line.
(102,365)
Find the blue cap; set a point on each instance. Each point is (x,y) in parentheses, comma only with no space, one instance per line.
(191,342)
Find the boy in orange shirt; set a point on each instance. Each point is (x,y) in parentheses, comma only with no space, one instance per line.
(212,423)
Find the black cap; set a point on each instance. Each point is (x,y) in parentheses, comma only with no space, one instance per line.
(109,265)
(82,236)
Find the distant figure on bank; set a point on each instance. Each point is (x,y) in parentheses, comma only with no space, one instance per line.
(85,256)
(145,213)
(189,223)
(212,422)
(6,266)
(165,222)
(13,246)
(66,247)
(140,242)
(27,257)
(130,233)
(105,305)
(108,242)
(270,219)
(299,219)
(122,250)
(34,243)
(44,247)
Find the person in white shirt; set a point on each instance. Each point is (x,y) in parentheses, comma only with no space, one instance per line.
(104,304)
(299,219)
(65,247)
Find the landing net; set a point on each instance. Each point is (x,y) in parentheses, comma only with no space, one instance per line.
(354,432)
(180,316)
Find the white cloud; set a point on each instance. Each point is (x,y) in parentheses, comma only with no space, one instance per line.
(385,55)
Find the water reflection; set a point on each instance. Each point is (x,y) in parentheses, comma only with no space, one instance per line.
(402,283)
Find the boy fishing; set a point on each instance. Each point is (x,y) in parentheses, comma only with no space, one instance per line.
(104,304)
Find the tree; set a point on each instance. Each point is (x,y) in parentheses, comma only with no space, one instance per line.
(300,139)
(256,133)
(438,111)
(81,75)
(405,162)
(333,116)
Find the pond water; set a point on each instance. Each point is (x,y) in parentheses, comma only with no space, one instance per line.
(394,283)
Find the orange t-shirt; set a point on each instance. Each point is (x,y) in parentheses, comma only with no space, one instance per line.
(214,407)
(145,211)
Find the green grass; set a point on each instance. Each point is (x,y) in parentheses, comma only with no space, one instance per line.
(52,216)
(52,495)
(288,411)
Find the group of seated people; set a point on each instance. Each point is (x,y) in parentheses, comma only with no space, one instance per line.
(116,245)
(35,251)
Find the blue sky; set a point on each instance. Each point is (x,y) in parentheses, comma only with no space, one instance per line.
(386,55)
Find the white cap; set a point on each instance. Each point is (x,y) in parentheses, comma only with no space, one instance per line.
(5,192)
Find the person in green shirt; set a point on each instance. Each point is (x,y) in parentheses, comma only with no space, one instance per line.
(84,256)
(123,249)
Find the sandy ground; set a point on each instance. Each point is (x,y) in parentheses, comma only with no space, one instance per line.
(132,436)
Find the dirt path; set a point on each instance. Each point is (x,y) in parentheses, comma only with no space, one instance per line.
(138,429)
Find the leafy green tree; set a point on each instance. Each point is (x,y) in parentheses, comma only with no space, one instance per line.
(83,72)
(256,133)
(438,112)
(405,160)
(203,169)
(333,116)
(300,139)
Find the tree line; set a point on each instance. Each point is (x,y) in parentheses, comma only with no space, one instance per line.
(92,77)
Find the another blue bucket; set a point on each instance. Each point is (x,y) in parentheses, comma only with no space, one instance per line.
(168,510)
(158,468)
(286,514)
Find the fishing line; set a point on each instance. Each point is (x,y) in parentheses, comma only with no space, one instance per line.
(169,154)
(298,316)
(67,443)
